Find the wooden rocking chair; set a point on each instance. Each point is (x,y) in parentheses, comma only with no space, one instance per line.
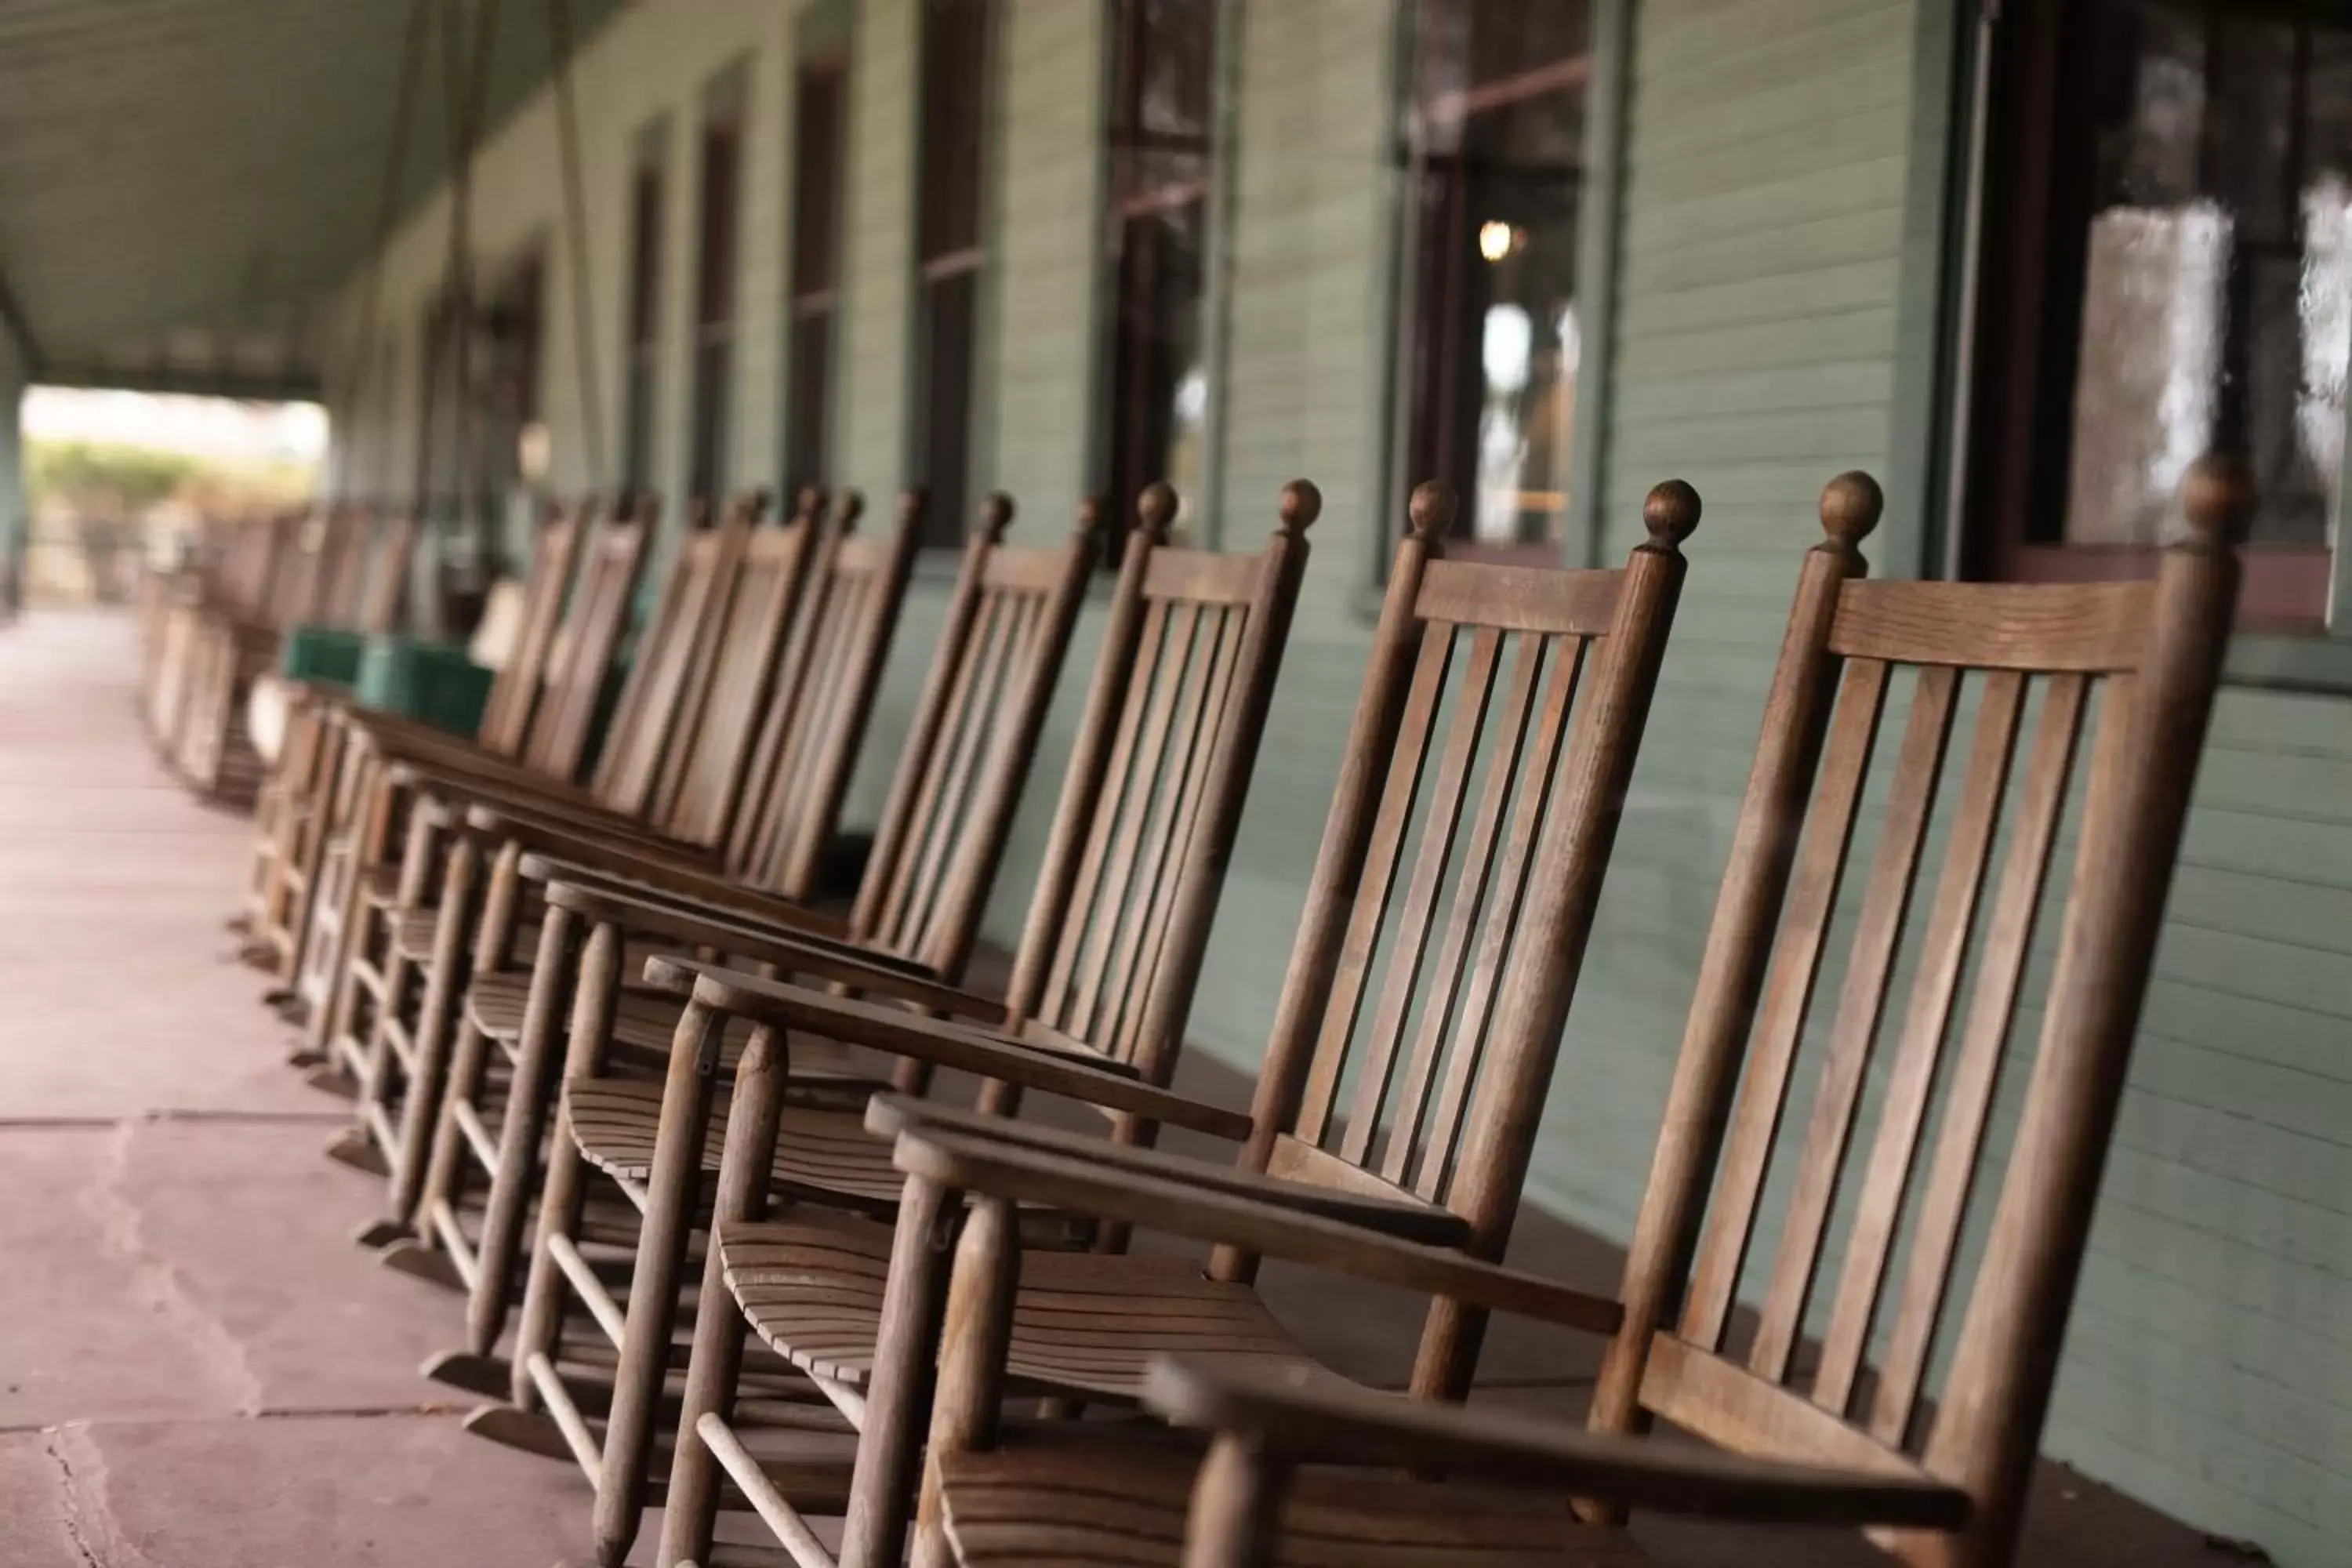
(380,760)
(727,604)
(791,767)
(1104,974)
(1515,881)
(371,577)
(985,699)
(1800,1429)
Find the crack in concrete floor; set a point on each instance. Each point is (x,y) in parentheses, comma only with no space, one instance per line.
(163,1289)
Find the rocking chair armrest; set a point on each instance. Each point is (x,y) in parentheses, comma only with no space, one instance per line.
(1004,1170)
(888,1115)
(951,1043)
(422,767)
(1333,1422)
(681,886)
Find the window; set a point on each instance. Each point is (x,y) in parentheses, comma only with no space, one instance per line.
(818,145)
(515,440)
(1161,163)
(647,194)
(2167,266)
(1494,139)
(714,290)
(955,77)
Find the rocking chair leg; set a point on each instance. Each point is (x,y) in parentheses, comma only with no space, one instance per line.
(420,1105)
(670,1202)
(353,1147)
(488,1375)
(898,1395)
(690,1512)
(563,1199)
(533,1434)
(411,1256)
(523,1128)
(978,1336)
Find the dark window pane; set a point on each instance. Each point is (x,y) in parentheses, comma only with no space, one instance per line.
(715,308)
(949,325)
(806,413)
(1495,125)
(955,81)
(1160,169)
(816,179)
(2168,270)
(818,145)
(647,198)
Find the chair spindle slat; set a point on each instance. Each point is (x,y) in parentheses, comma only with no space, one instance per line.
(1507,892)
(1161,673)
(1409,951)
(1788,995)
(1927,1021)
(1976,1069)
(1861,1005)
(1381,855)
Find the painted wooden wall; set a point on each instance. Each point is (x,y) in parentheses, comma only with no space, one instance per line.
(1759,348)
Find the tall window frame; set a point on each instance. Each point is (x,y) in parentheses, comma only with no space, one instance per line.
(950,255)
(1160,135)
(718,285)
(2160,175)
(813,288)
(648,214)
(1499,146)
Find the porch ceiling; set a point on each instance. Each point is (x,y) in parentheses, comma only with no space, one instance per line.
(181,181)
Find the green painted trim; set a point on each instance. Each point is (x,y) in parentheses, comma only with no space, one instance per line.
(1608,123)
(1217,290)
(1392,291)
(988,329)
(1094,476)
(2318,663)
(824,25)
(1927,303)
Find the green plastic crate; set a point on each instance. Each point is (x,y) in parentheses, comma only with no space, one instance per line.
(321,654)
(433,683)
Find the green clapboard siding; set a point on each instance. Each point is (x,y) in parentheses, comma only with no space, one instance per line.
(878,248)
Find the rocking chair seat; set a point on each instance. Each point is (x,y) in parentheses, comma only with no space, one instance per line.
(1087,1323)
(645,1020)
(822,1150)
(1070,1497)
(412,937)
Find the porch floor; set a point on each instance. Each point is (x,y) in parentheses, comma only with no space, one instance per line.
(199,1370)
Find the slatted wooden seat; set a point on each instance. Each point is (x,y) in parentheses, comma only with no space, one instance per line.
(1494,736)
(1149,804)
(1821,1407)
(811,1285)
(828,1153)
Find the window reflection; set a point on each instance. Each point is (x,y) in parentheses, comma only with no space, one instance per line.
(1496,132)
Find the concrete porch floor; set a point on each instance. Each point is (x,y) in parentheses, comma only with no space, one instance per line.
(199,1370)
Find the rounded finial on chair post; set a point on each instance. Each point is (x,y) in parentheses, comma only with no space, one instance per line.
(1155,511)
(847,507)
(1851,506)
(2218,497)
(1094,514)
(996,515)
(698,514)
(1671,513)
(913,502)
(808,503)
(756,506)
(1302,504)
(1431,511)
